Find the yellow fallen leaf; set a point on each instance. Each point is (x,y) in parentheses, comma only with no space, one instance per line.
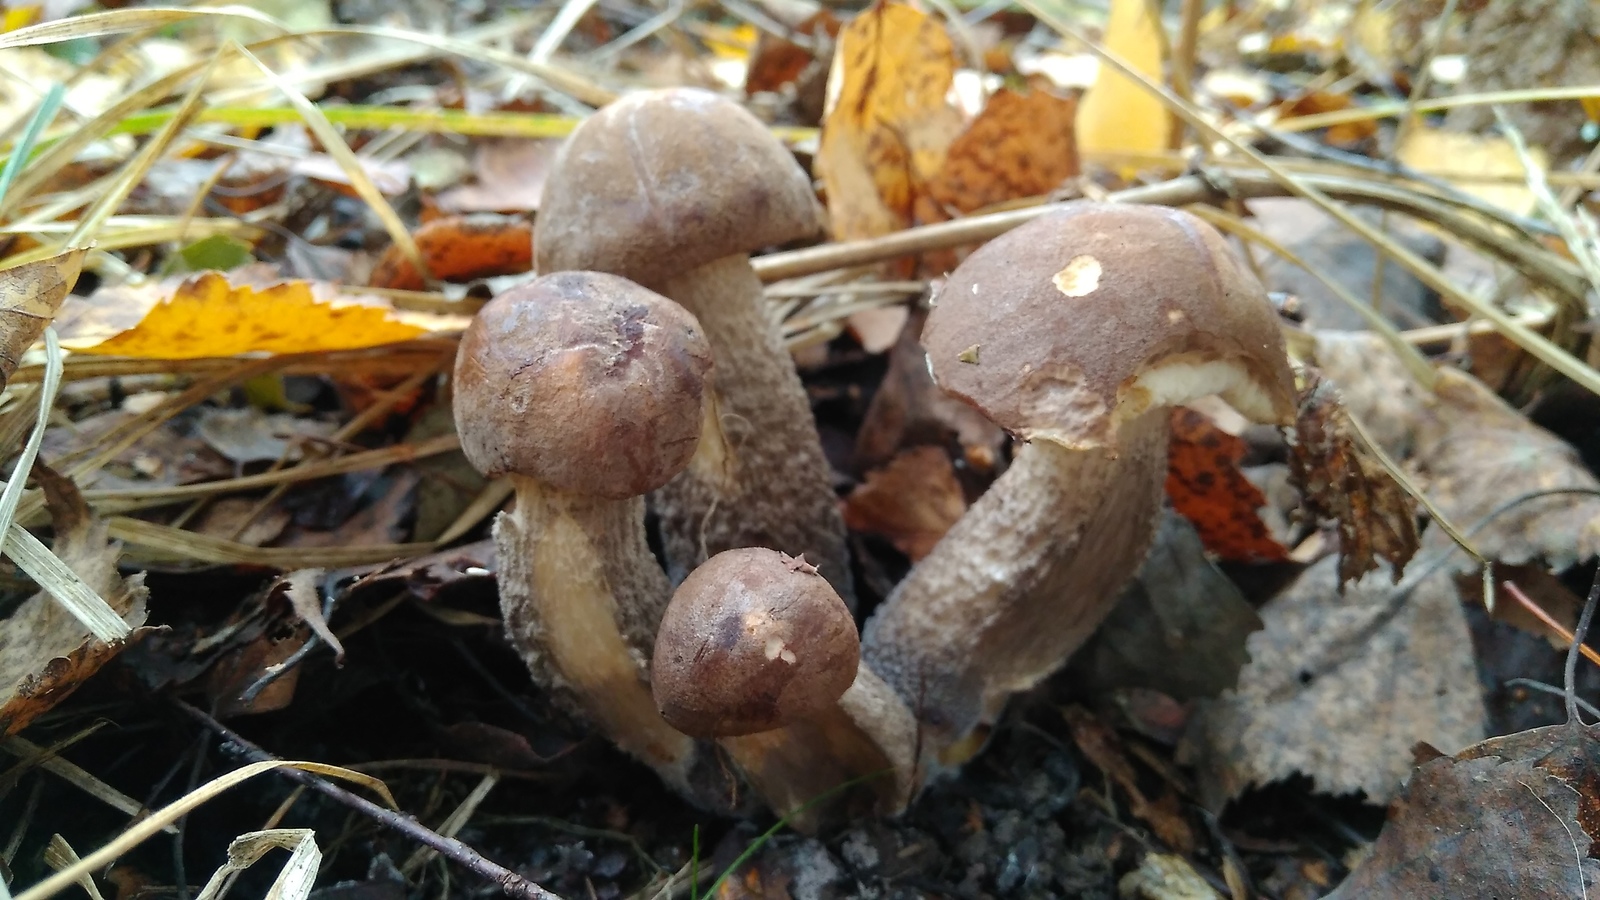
(207,316)
(1117,115)
(888,124)
(1452,155)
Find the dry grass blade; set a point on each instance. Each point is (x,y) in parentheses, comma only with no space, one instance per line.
(1316,121)
(294,881)
(121,21)
(333,142)
(187,546)
(76,776)
(143,831)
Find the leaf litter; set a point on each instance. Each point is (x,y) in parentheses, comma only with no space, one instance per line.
(1315,636)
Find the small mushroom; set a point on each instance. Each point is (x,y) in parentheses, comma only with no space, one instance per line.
(1076,333)
(674,189)
(587,391)
(758,651)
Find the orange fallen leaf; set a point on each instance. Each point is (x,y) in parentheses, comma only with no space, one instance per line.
(1344,134)
(207,316)
(912,501)
(1207,488)
(460,248)
(778,61)
(890,125)
(1117,114)
(1021,145)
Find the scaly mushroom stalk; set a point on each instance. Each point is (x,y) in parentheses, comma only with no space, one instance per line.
(674,189)
(759,652)
(1076,332)
(587,391)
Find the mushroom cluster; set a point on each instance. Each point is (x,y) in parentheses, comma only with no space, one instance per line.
(666,377)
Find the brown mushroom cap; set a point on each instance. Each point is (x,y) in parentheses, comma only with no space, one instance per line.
(583,381)
(753,640)
(663,181)
(1082,319)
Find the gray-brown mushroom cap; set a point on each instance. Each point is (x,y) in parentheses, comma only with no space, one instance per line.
(1083,319)
(584,381)
(664,181)
(753,640)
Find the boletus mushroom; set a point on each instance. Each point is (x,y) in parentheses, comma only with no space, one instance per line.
(758,651)
(1076,333)
(587,391)
(674,189)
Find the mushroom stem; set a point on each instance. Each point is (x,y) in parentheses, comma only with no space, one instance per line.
(582,595)
(1019,583)
(869,733)
(778,493)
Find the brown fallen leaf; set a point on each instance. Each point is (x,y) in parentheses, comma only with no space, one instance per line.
(45,653)
(510,175)
(301,588)
(1020,145)
(1511,817)
(1340,686)
(1339,481)
(1206,486)
(890,125)
(1476,454)
(779,64)
(30,297)
(1180,627)
(910,409)
(460,248)
(1100,744)
(912,501)
(1374,386)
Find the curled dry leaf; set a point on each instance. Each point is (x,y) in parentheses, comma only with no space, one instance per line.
(30,296)
(45,653)
(1514,816)
(302,589)
(208,316)
(890,124)
(1340,686)
(1206,486)
(1476,454)
(1340,481)
(912,501)
(460,248)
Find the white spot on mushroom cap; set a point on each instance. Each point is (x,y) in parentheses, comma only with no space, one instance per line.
(776,648)
(1080,278)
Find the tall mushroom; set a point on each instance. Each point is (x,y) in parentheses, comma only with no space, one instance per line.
(587,391)
(674,189)
(758,651)
(1075,332)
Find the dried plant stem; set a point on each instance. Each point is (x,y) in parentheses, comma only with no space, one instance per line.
(513,884)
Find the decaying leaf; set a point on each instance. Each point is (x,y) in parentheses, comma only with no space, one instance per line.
(1165,876)
(460,248)
(1511,817)
(890,124)
(779,63)
(1374,386)
(1205,485)
(205,316)
(1340,482)
(45,653)
(1100,744)
(1180,627)
(247,434)
(1117,115)
(30,296)
(912,501)
(1340,686)
(1020,145)
(1476,454)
